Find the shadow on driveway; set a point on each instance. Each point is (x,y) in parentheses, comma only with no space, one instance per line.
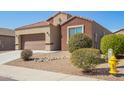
(6,79)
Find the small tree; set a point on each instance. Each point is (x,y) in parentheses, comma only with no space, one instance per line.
(79,41)
(85,58)
(113,41)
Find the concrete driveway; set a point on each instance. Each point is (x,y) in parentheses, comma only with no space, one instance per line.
(9,56)
(4,52)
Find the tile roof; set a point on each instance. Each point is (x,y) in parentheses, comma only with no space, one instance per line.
(38,24)
(76,17)
(119,30)
(46,23)
(58,14)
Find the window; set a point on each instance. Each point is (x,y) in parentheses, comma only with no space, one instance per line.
(74,30)
(71,32)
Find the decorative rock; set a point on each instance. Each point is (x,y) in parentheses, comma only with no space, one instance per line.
(64,57)
(45,59)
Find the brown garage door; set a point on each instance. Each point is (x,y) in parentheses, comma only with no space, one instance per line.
(34,42)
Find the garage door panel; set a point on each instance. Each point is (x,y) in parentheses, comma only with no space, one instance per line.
(36,45)
(34,42)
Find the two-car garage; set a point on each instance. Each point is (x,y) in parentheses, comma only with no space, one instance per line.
(33,41)
(37,36)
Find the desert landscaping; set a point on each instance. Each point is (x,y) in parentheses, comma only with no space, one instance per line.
(63,65)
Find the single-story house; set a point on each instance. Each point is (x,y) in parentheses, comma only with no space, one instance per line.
(54,33)
(121,31)
(7,39)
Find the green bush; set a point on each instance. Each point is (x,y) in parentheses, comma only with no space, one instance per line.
(79,41)
(85,58)
(113,41)
(26,54)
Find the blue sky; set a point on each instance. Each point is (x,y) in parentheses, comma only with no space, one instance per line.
(112,20)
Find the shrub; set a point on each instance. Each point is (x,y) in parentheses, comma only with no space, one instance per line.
(79,41)
(113,41)
(26,54)
(85,58)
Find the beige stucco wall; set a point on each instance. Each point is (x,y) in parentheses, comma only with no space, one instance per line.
(37,30)
(17,42)
(63,18)
(33,30)
(55,38)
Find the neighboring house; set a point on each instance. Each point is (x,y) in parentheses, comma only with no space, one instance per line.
(121,31)
(54,33)
(7,39)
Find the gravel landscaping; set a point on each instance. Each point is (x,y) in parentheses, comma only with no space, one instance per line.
(60,62)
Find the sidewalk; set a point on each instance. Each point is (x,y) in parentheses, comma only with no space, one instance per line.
(26,74)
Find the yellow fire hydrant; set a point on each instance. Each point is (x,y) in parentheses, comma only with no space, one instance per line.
(113,63)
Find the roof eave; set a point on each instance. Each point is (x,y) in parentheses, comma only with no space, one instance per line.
(76,17)
(31,27)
